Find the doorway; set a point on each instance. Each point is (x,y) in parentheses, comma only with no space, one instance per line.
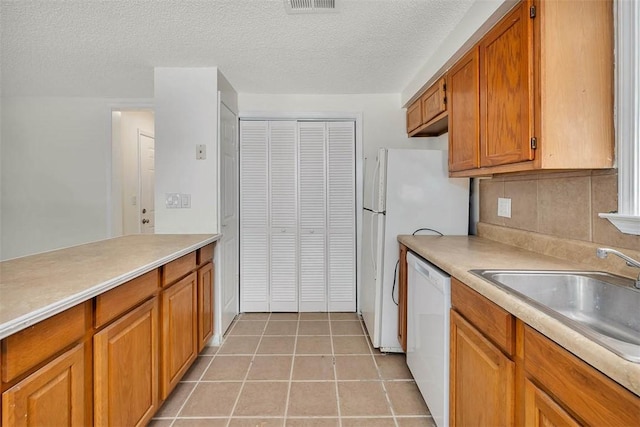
(132,172)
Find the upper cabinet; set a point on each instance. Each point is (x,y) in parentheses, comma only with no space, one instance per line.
(545,92)
(536,92)
(464,113)
(506,90)
(427,116)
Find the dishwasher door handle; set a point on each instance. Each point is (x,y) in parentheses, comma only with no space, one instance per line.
(422,270)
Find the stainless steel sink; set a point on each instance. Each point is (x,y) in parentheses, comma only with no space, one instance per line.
(601,306)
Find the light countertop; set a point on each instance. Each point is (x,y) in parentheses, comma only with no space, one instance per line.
(458,254)
(36,287)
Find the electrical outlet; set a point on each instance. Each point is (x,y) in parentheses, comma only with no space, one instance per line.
(201,151)
(504,207)
(172,200)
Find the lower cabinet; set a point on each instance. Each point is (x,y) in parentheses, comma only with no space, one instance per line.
(126,368)
(482,379)
(561,389)
(51,396)
(503,372)
(112,360)
(179,331)
(205,304)
(542,411)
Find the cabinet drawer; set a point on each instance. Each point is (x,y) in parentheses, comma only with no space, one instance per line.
(433,101)
(588,394)
(496,323)
(178,268)
(32,346)
(205,254)
(113,303)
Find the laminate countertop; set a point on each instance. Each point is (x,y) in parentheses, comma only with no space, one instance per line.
(36,287)
(458,254)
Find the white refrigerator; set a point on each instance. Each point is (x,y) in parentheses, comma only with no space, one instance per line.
(410,190)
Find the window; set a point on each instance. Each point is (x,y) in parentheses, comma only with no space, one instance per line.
(627,219)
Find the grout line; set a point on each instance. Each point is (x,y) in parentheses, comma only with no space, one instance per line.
(384,388)
(335,373)
(293,362)
(184,402)
(246,375)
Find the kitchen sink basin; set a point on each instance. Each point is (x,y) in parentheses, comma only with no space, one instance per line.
(601,306)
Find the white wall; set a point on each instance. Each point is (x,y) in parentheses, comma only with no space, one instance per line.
(55,160)
(186,114)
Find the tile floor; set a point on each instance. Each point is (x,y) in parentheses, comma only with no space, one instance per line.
(290,369)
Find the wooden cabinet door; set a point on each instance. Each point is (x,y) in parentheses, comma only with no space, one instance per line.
(482,379)
(414,115)
(506,92)
(433,101)
(126,368)
(540,410)
(51,396)
(464,113)
(583,390)
(402,298)
(205,304)
(179,331)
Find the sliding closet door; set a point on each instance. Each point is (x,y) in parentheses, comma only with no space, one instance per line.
(254,215)
(283,216)
(341,231)
(313,215)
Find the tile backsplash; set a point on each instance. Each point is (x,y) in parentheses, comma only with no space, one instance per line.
(564,204)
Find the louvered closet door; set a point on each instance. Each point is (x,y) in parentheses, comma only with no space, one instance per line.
(283,216)
(341,216)
(254,214)
(312,214)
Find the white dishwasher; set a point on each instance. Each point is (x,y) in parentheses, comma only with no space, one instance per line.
(429,301)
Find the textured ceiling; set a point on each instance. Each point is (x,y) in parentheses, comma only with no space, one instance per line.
(109,48)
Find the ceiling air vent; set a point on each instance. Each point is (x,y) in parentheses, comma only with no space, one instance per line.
(310,6)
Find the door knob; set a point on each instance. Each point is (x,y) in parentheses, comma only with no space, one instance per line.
(144,211)
(145,221)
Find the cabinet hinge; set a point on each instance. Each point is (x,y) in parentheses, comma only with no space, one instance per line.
(444,100)
(532,12)
(534,143)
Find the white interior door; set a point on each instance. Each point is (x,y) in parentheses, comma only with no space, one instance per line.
(297,216)
(341,207)
(283,286)
(146,144)
(254,216)
(313,215)
(229,205)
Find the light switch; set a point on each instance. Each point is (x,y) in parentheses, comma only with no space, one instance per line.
(201,152)
(504,207)
(186,200)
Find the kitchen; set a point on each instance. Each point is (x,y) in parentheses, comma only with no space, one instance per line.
(535,198)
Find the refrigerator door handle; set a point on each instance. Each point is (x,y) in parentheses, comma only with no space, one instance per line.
(374,185)
(373,246)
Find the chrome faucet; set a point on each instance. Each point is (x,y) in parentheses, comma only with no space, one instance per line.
(603,252)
